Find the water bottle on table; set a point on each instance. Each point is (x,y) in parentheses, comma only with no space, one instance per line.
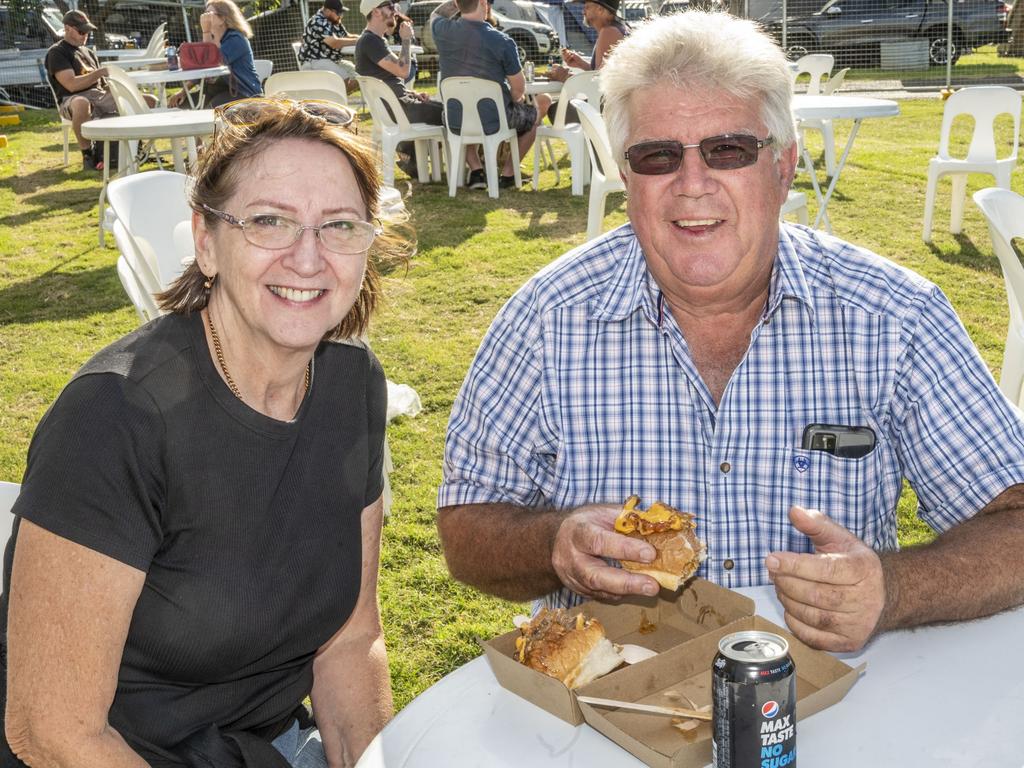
(172,57)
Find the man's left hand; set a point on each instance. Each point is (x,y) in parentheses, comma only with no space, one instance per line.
(834,598)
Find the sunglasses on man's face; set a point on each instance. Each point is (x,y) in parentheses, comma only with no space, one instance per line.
(720,153)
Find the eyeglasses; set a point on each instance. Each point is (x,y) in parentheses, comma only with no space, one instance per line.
(247,112)
(273,232)
(721,153)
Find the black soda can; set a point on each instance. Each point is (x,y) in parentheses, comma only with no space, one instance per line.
(753,692)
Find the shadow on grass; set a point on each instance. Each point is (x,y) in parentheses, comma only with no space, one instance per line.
(968,256)
(56,199)
(61,295)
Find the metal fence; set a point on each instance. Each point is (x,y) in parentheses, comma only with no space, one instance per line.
(899,43)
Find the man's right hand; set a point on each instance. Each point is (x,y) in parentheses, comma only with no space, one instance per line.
(405,31)
(558,72)
(586,537)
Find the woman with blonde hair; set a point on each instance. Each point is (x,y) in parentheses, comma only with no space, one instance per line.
(198,531)
(224,25)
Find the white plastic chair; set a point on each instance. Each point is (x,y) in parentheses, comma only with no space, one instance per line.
(65,124)
(604,178)
(796,202)
(984,103)
(307,84)
(835,82)
(390,128)
(582,85)
(470,92)
(264,68)
(8,494)
(154,48)
(130,101)
(818,66)
(1004,211)
(142,300)
(149,206)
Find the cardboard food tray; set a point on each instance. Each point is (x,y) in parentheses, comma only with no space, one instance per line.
(699,608)
(822,680)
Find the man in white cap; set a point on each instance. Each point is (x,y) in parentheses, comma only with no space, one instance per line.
(322,41)
(374,58)
(77,81)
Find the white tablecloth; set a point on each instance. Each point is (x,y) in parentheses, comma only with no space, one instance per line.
(936,697)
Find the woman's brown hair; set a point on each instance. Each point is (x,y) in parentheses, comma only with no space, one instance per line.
(226,159)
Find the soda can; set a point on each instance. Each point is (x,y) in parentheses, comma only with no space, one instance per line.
(753,690)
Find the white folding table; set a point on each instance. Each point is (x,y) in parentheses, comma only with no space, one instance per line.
(172,124)
(161,77)
(942,697)
(837,107)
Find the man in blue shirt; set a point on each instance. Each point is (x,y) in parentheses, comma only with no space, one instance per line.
(693,356)
(467,45)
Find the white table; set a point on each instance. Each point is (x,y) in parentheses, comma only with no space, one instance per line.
(138,62)
(350,50)
(171,124)
(837,107)
(161,77)
(938,697)
(541,85)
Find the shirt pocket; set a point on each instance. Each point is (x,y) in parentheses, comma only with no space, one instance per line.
(858,493)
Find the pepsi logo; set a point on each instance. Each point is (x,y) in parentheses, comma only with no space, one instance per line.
(770,709)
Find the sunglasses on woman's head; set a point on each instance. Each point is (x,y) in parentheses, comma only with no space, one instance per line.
(247,112)
(721,153)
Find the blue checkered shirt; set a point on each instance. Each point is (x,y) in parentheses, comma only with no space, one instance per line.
(584,391)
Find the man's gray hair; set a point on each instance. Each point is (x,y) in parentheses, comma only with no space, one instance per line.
(704,52)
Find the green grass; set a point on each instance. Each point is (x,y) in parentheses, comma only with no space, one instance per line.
(979,64)
(60,301)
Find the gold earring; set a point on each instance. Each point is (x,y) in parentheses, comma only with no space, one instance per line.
(208,283)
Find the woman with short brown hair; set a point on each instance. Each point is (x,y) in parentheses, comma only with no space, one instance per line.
(199,525)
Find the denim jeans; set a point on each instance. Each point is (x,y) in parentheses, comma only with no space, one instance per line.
(301,748)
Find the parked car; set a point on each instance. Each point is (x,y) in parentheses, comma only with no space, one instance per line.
(537,42)
(853,30)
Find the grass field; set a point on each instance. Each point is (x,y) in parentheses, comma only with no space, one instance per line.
(60,301)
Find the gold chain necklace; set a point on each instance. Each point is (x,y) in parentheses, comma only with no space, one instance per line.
(219,352)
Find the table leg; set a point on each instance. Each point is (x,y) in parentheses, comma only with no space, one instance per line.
(835,177)
(809,165)
(103,189)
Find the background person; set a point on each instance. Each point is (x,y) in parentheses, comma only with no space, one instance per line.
(683,356)
(198,531)
(77,80)
(467,45)
(322,41)
(374,58)
(223,24)
(602,16)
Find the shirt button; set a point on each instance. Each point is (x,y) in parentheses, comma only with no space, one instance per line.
(725,466)
(729,565)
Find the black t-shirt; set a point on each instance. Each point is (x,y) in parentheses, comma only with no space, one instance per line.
(370,49)
(248,528)
(63,55)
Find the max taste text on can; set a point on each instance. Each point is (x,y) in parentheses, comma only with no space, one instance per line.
(753,690)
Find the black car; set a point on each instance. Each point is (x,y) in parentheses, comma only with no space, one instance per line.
(853,30)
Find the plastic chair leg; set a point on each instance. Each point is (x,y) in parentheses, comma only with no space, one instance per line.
(435,159)
(491,167)
(422,168)
(577,162)
(595,211)
(1012,377)
(829,139)
(538,159)
(929,204)
(388,147)
(956,210)
(457,150)
(516,170)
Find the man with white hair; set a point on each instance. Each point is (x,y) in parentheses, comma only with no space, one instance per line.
(748,372)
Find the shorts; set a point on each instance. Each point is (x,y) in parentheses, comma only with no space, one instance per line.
(521,117)
(102,103)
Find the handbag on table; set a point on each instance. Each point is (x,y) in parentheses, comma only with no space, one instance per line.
(199,55)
